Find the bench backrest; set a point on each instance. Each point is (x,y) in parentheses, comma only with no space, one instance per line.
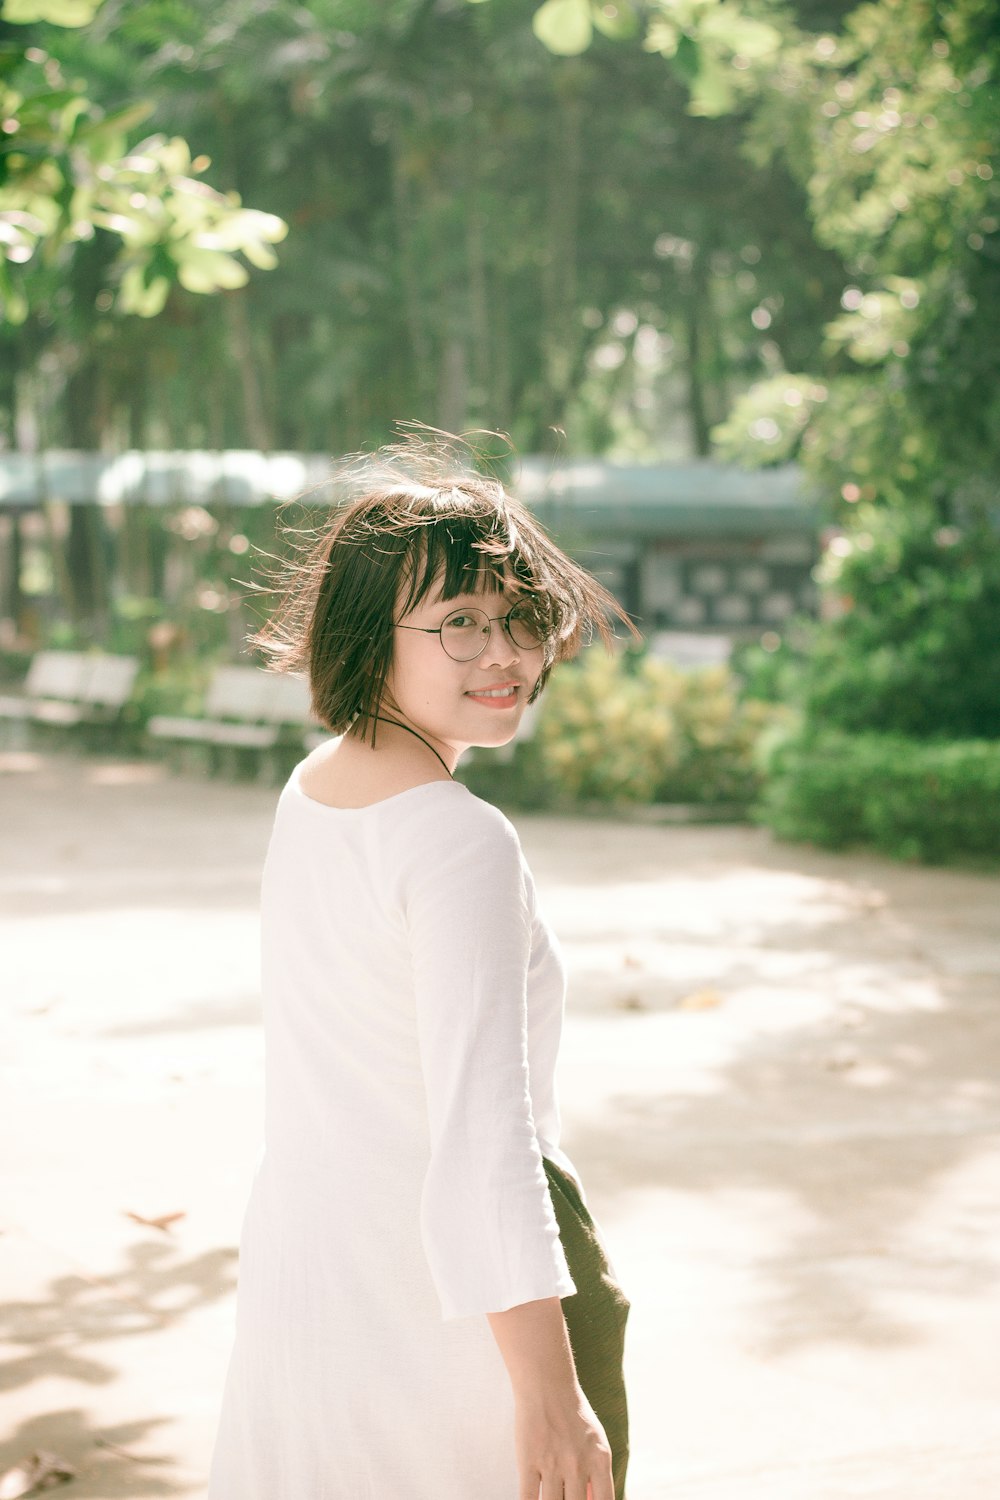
(110,680)
(58,674)
(288,700)
(237,693)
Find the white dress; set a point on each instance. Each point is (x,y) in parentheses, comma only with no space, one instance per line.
(413,1004)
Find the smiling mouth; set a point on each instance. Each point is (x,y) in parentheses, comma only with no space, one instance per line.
(504,694)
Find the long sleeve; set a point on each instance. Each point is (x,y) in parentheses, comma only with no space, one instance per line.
(487,1223)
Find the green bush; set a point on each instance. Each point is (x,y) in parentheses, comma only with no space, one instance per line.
(772,668)
(917,650)
(911,799)
(14,667)
(632,728)
(178,688)
(604,732)
(722,733)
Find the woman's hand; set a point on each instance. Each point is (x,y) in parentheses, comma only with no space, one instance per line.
(562,1452)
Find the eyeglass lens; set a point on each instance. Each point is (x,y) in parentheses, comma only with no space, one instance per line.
(464,634)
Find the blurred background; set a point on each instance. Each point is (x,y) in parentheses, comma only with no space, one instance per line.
(727,274)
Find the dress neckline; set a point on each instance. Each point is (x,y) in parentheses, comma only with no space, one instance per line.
(294,781)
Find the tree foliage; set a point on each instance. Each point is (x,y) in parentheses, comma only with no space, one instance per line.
(888,117)
(761,229)
(916,648)
(891,127)
(482,234)
(891,123)
(67,174)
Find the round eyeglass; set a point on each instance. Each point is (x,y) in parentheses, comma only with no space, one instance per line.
(465,633)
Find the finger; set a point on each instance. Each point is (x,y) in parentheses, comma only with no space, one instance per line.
(574,1481)
(529,1485)
(601,1485)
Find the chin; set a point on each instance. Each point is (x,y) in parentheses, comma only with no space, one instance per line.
(501,735)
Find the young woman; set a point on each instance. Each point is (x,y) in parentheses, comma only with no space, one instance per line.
(425,1310)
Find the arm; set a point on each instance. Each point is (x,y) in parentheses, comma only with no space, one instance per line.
(488,1224)
(559,1440)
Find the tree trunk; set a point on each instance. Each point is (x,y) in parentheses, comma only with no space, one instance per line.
(559,277)
(11,594)
(478,396)
(87,563)
(454,384)
(718,366)
(255,423)
(413,310)
(693,309)
(500,387)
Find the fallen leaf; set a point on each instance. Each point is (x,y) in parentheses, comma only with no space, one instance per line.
(163,1221)
(37,1472)
(632,1002)
(700,1000)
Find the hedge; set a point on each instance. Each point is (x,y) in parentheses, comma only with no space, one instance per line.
(913,799)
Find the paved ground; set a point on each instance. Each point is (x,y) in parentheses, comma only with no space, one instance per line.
(779,1078)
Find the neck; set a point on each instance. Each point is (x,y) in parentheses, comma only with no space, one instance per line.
(408,729)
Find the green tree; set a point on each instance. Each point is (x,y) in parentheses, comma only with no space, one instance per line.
(67,174)
(890,124)
(892,129)
(485,234)
(87,222)
(886,114)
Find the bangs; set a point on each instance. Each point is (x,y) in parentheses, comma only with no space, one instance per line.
(466,546)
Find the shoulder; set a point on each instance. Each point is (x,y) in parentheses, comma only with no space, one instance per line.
(448,816)
(447,841)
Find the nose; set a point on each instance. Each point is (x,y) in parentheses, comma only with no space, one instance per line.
(500,650)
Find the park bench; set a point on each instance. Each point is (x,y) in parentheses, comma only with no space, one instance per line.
(72,690)
(248,713)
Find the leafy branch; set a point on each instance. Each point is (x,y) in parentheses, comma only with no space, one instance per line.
(67,173)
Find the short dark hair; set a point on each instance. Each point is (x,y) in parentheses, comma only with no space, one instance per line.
(419,516)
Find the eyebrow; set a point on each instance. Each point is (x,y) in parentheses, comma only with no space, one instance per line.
(460,599)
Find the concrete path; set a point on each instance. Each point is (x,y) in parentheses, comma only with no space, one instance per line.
(779,1079)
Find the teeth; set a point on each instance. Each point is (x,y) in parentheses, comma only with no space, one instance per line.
(496,693)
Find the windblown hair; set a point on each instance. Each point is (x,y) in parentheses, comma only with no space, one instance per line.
(406,515)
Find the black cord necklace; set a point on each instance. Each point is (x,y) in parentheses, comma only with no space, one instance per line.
(384,720)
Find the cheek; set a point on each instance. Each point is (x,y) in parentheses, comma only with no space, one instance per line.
(533,665)
(417,678)
(400,676)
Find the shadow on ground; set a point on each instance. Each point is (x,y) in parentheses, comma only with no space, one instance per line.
(858,1137)
(62,1331)
(106,1458)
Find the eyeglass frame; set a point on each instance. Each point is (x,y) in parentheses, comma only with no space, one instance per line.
(491,620)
